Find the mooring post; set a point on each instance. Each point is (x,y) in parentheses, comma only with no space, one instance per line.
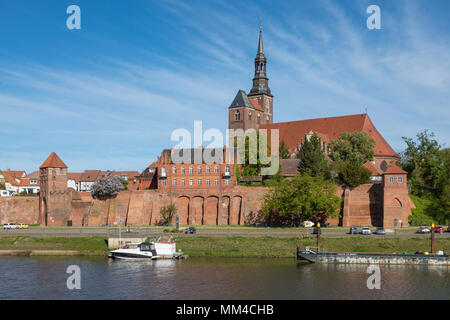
(318,236)
(432,238)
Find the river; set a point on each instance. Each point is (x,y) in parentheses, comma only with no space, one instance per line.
(214,278)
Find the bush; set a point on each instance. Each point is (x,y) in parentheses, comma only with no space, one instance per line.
(420,216)
(167,213)
(106,188)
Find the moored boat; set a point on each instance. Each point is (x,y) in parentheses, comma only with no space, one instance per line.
(135,251)
(372,258)
(148,251)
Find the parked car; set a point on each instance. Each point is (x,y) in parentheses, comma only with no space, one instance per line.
(366,231)
(353,230)
(423,230)
(380,231)
(22,226)
(190,230)
(439,229)
(9,226)
(4,193)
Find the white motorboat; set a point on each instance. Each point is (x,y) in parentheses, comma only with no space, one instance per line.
(135,251)
(148,251)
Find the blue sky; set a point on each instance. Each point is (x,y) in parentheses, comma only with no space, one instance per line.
(108,96)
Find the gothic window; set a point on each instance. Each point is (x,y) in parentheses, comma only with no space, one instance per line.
(396,203)
(383,165)
(237,115)
(250,115)
(259,119)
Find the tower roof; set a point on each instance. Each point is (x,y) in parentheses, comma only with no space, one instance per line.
(241,100)
(260,43)
(53,161)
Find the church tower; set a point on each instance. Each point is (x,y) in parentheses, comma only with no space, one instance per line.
(260,90)
(249,111)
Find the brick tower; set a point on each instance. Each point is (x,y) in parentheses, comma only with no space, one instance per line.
(54,198)
(249,111)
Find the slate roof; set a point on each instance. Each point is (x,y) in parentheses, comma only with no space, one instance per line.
(241,100)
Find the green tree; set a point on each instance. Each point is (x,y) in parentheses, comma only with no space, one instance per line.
(2,186)
(352,147)
(302,198)
(351,174)
(167,213)
(253,164)
(124,184)
(312,159)
(284,151)
(427,165)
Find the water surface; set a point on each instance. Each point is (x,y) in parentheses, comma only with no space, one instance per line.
(214,278)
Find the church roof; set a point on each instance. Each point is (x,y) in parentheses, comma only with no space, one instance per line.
(368,165)
(395,170)
(294,131)
(241,100)
(53,161)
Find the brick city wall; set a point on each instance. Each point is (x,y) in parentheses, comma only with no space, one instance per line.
(19,210)
(240,205)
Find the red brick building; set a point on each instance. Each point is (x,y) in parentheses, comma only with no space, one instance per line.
(195,173)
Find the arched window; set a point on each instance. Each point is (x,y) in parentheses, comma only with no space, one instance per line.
(237,115)
(396,203)
(383,165)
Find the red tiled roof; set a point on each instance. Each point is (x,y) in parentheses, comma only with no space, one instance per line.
(395,170)
(90,175)
(10,178)
(17,174)
(371,167)
(256,104)
(294,131)
(76,176)
(53,161)
(33,175)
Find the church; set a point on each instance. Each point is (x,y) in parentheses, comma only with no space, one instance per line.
(255,111)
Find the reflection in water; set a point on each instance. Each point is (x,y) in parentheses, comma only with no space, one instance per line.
(214,278)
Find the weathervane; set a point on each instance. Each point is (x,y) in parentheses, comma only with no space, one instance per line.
(260,24)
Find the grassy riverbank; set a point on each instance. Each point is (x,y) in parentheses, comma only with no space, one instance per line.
(94,246)
(227,246)
(286,247)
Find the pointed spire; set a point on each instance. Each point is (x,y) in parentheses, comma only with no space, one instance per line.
(260,80)
(260,43)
